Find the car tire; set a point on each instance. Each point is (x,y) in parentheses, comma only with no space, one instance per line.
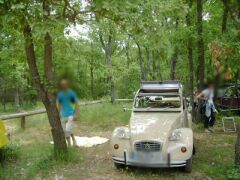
(118,166)
(194,150)
(188,167)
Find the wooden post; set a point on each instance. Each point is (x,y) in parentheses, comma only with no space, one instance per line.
(23,122)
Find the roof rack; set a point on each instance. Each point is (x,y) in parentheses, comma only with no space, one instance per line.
(160,85)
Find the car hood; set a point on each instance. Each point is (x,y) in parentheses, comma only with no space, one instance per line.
(153,125)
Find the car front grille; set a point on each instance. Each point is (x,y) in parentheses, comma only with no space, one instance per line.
(147,146)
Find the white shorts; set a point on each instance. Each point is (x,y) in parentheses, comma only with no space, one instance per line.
(67,125)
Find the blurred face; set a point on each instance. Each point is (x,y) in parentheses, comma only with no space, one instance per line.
(211,86)
(64,84)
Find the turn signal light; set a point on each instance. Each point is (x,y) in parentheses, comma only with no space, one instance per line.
(184,149)
(116,146)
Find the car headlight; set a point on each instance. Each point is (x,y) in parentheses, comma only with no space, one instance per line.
(176,135)
(121,132)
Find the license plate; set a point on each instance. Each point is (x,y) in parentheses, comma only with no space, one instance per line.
(145,156)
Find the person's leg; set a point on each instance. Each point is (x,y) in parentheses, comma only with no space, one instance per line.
(68,141)
(64,124)
(206,120)
(212,121)
(73,139)
(206,123)
(69,127)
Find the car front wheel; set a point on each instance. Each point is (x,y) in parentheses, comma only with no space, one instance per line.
(188,167)
(118,166)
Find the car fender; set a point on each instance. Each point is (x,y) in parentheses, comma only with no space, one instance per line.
(123,144)
(186,140)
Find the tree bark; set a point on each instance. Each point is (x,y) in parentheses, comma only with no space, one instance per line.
(91,73)
(16,100)
(153,65)
(173,65)
(225,15)
(148,70)
(190,61)
(127,54)
(237,147)
(200,46)
(141,64)
(174,58)
(48,66)
(107,49)
(48,101)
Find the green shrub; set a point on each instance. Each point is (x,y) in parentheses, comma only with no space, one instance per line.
(9,153)
(234,173)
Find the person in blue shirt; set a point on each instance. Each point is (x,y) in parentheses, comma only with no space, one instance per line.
(68,107)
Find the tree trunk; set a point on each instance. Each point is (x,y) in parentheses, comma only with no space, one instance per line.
(92,79)
(237,147)
(48,66)
(148,70)
(48,100)
(16,100)
(141,64)
(173,65)
(225,15)
(127,54)
(153,65)
(111,75)
(107,49)
(174,59)
(200,46)
(190,61)
(4,100)
(91,73)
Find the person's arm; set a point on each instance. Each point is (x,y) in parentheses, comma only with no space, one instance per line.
(76,106)
(76,111)
(200,96)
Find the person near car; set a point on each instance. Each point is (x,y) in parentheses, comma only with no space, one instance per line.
(68,107)
(209,115)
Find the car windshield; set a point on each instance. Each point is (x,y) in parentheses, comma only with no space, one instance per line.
(159,101)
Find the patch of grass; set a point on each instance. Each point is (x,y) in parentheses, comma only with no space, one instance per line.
(9,154)
(103,116)
(37,160)
(234,173)
(214,152)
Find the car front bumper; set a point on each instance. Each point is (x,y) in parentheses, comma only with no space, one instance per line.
(158,162)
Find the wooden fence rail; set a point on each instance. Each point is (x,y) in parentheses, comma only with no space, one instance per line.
(23,115)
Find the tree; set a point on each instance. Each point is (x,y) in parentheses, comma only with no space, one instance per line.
(190,57)
(26,16)
(200,45)
(225,15)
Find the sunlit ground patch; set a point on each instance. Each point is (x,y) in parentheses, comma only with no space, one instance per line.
(88,141)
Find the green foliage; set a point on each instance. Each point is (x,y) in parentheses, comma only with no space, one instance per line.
(233,173)
(8,154)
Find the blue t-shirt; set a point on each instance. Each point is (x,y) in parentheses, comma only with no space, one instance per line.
(67,100)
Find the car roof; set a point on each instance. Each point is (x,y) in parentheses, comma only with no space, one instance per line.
(160,86)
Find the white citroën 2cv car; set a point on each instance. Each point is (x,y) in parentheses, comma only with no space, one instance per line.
(160,133)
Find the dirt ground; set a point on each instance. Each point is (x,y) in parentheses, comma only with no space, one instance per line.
(96,164)
(214,152)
